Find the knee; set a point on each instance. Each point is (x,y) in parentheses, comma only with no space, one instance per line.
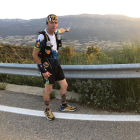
(65,86)
(48,91)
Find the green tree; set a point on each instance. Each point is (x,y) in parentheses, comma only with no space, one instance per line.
(92,54)
(66,54)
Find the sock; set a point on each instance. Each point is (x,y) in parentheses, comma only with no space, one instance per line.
(47,109)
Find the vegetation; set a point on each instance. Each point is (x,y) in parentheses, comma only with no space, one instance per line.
(3,86)
(52,95)
(16,54)
(116,94)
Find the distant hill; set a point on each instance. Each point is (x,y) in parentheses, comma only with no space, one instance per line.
(85,27)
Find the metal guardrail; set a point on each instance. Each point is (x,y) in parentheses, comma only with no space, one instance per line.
(111,71)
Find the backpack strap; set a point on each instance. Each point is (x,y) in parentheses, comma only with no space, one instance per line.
(59,42)
(46,37)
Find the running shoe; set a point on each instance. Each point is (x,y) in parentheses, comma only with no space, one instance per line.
(49,114)
(67,108)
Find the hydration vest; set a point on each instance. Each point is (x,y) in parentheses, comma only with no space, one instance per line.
(46,50)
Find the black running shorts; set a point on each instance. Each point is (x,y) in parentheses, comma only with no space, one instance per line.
(57,75)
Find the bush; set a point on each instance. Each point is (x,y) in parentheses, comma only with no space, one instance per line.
(3,86)
(116,95)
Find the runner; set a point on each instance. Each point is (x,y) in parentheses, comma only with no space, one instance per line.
(45,54)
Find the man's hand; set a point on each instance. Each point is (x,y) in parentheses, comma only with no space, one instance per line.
(46,75)
(63,30)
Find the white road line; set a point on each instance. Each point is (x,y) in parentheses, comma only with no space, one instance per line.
(71,116)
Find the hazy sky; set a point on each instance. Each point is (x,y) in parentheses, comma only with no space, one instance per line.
(30,9)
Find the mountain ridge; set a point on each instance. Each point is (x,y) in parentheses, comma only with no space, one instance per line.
(83,27)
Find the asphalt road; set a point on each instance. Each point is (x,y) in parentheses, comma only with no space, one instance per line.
(24,127)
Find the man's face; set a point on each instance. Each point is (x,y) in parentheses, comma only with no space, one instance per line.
(52,26)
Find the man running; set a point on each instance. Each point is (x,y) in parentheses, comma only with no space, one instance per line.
(45,54)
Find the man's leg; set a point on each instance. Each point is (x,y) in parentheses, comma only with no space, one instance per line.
(63,89)
(46,97)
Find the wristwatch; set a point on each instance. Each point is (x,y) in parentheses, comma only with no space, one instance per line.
(66,30)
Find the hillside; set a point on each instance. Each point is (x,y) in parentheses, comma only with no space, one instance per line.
(14,54)
(86,30)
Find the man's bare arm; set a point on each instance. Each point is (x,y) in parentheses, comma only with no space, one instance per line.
(35,56)
(38,62)
(62,30)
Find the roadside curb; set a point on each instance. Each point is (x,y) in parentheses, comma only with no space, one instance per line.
(38,91)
